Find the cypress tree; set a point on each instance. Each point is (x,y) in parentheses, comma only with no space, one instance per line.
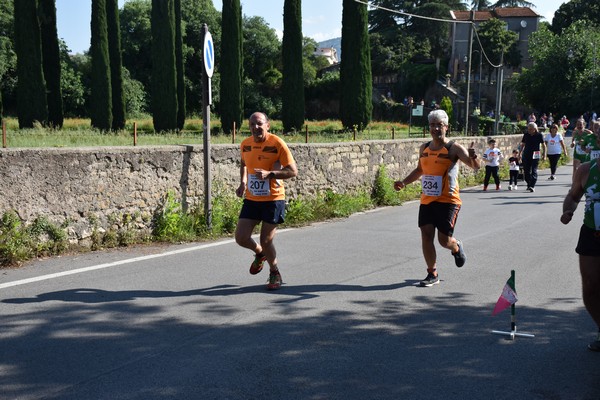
(356,103)
(292,110)
(116,64)
(231,66)
(101,99)
(179,63)
(51,62)
(164,75)
(32,103)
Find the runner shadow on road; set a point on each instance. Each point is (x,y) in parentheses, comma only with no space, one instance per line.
(300,292)
(373,348)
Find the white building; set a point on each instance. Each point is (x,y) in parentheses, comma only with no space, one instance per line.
(330,53)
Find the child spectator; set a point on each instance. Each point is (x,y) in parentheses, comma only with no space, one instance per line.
(513,170)
(492,158)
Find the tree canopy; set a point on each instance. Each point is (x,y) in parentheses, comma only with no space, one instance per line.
(565,70)
(498,43)
(575,10)
(401,46)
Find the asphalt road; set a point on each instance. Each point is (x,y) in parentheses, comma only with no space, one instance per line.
(189,322)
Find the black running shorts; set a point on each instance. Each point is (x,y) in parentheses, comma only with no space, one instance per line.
(589,242)
(271,212)
(441,215)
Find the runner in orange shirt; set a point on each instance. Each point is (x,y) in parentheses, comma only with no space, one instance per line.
(265,162)
(440,200)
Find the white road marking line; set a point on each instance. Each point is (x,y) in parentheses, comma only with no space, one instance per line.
(112,264)
(122,262)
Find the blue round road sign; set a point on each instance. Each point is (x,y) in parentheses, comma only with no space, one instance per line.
(209,55)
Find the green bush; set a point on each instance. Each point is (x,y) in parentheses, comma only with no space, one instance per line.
(343,205)
(384,193)
(172,223)
(389,110)
(19,242)
(299,212)
(49,239)
(485,125)
(225,212)
(446,105)
(15,244)
(326,205)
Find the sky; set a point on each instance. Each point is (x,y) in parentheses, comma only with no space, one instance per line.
(321,19)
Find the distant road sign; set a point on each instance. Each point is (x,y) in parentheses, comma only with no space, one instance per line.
(417,111)
(209,55)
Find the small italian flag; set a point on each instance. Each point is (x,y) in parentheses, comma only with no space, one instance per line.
(508,296)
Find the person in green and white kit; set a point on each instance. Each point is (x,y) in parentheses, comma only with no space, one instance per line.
(591,142)
(587,181)
(578,144)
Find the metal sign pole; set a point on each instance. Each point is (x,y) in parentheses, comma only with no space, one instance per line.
(208,60)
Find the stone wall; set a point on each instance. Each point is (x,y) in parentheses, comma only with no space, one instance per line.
(85,186)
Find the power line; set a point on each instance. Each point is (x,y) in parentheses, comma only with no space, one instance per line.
(413,15)
(451,21)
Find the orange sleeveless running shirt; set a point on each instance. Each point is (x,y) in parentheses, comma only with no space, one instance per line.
(272,154)
(439,181)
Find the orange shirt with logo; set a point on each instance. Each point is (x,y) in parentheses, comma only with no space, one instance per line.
(271,154)
(439,179)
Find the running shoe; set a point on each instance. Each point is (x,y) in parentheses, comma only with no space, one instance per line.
(595,345)
(459,257)
(516,187)
(275,281)
(258,263)
(430,280)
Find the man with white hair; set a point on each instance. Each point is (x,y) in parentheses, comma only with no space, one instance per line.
(440,201)
(533,148)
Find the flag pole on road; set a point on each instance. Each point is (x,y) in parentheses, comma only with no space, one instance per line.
(509,298)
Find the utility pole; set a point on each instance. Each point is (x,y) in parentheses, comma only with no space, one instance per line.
(471,26)
(499,80)
(593,79)
(479,81)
